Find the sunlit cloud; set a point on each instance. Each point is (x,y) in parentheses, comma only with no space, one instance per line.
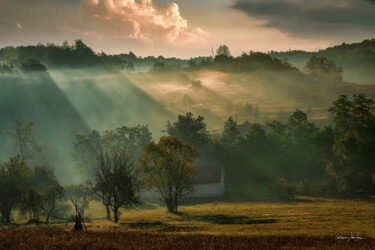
(143,21)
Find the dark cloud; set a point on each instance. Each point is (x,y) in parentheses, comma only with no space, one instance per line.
(320,18)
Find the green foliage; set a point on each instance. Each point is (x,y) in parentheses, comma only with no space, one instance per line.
(32,65)
(283,187)
(354,144)
(77,55)
(80,193)
(86,148)
(21,132)
(161,67)
(190,129)
(257,61)
(356,59)
(322,67)
(223,50)
(7,69)
(231,132)
(14,180)
(32,202)
(168,167)
(46,183)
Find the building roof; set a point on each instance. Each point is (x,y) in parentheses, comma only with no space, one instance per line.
(208,174)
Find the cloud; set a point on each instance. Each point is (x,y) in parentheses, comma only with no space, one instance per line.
(142,21)
(319,18)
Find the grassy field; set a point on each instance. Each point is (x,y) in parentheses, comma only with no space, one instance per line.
(305,223)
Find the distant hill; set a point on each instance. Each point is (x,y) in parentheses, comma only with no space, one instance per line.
(77,55)
(357,59)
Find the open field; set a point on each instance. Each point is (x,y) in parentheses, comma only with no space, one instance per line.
(305,223)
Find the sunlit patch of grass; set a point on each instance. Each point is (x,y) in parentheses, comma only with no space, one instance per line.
(312,218)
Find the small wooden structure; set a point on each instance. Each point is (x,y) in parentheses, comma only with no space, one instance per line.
(79,223)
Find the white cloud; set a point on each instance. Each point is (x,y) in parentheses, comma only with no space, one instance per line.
(143,21)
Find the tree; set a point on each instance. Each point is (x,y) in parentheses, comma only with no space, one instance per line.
(189,129)
(14,180)
(21,132)
(46,183)
(299,126)
(131,139)
(230,131)
(116,181)
(223,50)
(168,167)
(85,150)
(81,193)
(33,65)
(323,67)
(32,202)
(354,143)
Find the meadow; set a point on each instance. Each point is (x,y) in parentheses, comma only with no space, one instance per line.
(312,223)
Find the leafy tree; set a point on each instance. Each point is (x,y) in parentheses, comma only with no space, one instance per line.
(321,66)
(46,183)
(32,202)
(168,167)
(85,150)
(14,180)
(131,139)
(33,65)
(82,194)
(117,182)
(21,132)
(190,129)
(223,50)
(350,115)
(230,131)
(299,126)
(354,143)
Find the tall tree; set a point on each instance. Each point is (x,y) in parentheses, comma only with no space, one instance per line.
(85,149)
(190,129)
(354,143)
(116,179)
(168,167)
(46,183)
(32,202)
(21,132)
(14,180)
(223,50)
(230,131)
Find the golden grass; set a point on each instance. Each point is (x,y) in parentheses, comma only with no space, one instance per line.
(308,223)
(312,217)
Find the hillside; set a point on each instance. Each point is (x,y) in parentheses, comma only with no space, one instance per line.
(357,59)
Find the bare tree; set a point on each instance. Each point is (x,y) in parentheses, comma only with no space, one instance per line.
(116,179)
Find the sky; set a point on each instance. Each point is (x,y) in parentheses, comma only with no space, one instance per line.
(187,28)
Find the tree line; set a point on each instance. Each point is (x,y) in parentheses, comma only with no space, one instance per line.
(295,157)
